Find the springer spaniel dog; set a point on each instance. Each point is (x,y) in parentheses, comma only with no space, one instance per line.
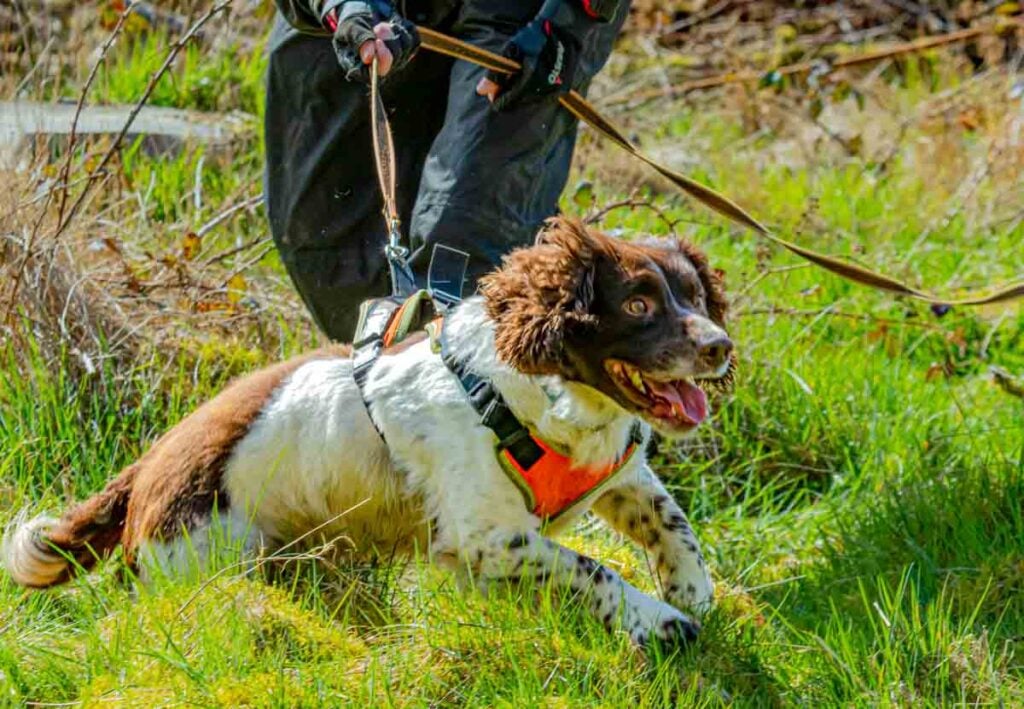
(588,341)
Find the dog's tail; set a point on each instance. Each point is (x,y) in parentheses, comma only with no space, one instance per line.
(45,551)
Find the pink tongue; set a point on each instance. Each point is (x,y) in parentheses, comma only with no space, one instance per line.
(687,400)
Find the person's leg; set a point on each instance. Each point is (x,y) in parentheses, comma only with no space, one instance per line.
(323,198)
(492,178)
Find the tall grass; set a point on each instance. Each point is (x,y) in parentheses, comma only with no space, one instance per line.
(859,493)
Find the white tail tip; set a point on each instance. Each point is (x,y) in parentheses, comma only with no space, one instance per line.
(27,557)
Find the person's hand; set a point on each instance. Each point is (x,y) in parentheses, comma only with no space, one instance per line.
(362,35)
(548,57)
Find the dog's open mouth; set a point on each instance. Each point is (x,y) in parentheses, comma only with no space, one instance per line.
(678,402)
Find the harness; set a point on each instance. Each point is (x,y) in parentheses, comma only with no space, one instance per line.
(548,480)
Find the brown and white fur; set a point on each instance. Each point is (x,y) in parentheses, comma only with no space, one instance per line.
(291,448)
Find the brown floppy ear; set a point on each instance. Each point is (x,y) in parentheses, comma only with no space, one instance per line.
(713,281)
(539,294)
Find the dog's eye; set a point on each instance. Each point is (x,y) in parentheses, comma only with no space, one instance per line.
(638,306)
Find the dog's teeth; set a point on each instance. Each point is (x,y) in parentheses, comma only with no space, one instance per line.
(637,380)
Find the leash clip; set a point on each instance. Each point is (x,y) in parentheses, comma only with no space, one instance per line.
(403,282)
(394,248)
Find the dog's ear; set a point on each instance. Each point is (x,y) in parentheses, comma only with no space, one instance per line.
(540,294)
(713,281)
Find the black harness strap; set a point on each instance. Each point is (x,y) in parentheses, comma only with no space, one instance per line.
(512,435)
(373,323)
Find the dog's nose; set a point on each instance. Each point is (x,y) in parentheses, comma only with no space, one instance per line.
(715,351)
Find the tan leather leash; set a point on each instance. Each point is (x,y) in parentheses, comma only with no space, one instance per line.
(402,280)
(585,111)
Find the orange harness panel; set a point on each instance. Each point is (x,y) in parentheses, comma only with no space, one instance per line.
(551,485)
(547,479)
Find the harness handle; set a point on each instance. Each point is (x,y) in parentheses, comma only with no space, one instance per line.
(585,111)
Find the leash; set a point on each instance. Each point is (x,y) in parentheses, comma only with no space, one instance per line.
(403,283)
(583,110)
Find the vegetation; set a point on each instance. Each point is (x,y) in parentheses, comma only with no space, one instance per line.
(859,492)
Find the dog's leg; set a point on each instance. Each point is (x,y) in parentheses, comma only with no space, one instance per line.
(511,557)
(643,510)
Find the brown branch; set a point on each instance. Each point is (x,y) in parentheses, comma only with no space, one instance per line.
(1007,382)
(66,169)
(676,29)
(633,202)
(150,87)
(253,201)
(100,170)
(223,255)
(247,265)
(752,75)
(73,136)
(793,312)
(765,274)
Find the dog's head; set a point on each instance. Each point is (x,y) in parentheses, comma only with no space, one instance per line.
(641,322)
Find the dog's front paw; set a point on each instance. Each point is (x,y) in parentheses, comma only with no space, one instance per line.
(692,591)
(652,622)
(675,632)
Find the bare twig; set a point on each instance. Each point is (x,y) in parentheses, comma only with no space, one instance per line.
(1007,382)
(765,274)
(676,28)
(934,22)
(100,170)
(633,202)
(223,255)
(864,317)
(753,75)
(253,201)
(40,61)
(248,264)
(73,136)
(153,81)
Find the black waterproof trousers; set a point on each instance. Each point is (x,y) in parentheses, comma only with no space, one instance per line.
(468,177)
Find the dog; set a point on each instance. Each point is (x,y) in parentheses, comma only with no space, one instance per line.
(589,342)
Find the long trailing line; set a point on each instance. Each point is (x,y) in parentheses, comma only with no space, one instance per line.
(583,110)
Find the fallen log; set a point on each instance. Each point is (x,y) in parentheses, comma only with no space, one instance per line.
(165,130)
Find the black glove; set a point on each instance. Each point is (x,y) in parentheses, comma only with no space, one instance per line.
(548,56)
(353,26)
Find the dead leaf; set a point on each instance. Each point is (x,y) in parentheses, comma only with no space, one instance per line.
(958,338)
(969,119)
(816,107)
(210,306)
(935,370)
(786,33)
(112,245)
(236,288)
(855,144)
(878,333)
(190,245)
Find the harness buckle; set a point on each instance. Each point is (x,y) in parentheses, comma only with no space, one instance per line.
(513,439)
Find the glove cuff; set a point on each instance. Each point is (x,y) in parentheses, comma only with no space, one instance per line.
(600,10)
(578,18)
(334,12)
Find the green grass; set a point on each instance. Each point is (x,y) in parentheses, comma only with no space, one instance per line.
(859,493)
